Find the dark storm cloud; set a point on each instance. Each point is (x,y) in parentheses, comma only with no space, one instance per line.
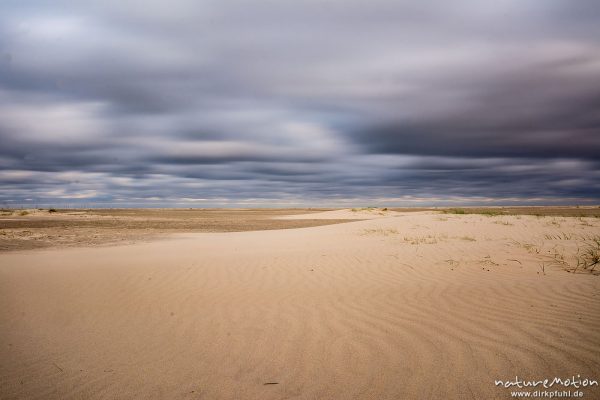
(319,102)
(540,111)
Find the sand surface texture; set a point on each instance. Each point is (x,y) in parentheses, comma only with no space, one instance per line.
(397,306)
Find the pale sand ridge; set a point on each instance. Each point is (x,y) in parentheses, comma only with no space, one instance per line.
(401,306)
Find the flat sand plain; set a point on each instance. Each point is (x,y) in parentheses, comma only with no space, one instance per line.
(419,305)
(39,228)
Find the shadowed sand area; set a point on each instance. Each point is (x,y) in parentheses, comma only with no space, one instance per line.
(38,228)
(396,306)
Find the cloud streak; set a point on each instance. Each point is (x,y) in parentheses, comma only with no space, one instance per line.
(316,102)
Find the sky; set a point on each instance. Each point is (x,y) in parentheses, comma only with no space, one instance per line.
(299,103)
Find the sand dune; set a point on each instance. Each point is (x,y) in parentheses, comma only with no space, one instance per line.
(400,306)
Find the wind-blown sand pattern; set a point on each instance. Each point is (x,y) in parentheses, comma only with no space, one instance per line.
(397,306)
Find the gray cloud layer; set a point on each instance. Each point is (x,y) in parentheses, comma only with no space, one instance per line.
(314,102)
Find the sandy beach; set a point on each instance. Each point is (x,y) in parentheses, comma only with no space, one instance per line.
(420,305)
(307,200)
